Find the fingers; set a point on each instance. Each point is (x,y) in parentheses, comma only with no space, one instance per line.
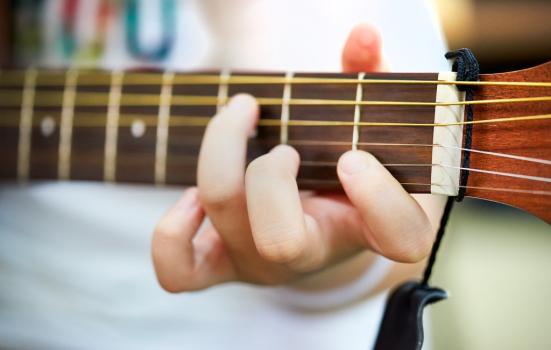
(281,231)
(182,262)
(221,167)
(397,227)
(363,51)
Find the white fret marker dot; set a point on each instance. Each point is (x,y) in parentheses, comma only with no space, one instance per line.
(47,126)
(137,128)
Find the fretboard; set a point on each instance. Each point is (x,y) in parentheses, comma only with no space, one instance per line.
(146,127)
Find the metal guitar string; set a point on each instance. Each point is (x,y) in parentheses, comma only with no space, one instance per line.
(94,120)
(99,78)
(10,98)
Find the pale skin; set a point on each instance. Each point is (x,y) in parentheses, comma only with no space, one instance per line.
(263,231)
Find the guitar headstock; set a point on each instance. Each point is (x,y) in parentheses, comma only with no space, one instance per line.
(516,170)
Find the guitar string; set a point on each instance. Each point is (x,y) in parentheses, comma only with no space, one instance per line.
(99,78)
(128,119)
(11,98)
(94,120)
(309,123)
(383,144)
(194,160)
(307,163)
(492,172)
(523,176)
(91,120)
(251,80)
(347,145)
(482,188)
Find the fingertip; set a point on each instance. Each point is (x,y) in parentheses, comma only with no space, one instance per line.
(354,162)
(286,152)
(366,36)
(243,106)
(243,102)
(363,50)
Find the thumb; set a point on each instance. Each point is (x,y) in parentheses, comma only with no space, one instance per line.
(363,50)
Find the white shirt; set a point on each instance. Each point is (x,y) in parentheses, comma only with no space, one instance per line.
(75,267)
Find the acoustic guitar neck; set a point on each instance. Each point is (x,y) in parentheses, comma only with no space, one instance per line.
(147,126)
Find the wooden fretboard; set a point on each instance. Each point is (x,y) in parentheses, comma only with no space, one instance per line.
(146,127)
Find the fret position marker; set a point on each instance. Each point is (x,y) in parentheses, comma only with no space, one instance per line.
(137,128)
(66,125)
(284,131)
(357,113)
(112,127)
(223,89)
(47,126)
(25,125)
(162,128)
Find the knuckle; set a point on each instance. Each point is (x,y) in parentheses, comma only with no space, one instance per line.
(166,228)
(268,164)
(220,196)
(258,166)
(288,251)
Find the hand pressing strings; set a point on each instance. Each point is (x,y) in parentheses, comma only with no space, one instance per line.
(261,229)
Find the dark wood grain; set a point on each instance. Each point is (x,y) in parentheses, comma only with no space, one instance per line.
(184,142)
(45,147)
(9,136)
(88,143)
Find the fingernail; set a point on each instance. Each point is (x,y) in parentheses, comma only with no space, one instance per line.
(189,199)
(353,162)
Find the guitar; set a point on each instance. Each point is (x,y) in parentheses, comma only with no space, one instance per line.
(146,127)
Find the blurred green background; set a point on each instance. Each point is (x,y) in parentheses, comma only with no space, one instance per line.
(495,264)
(495,261)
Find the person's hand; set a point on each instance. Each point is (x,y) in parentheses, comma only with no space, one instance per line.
(261,229)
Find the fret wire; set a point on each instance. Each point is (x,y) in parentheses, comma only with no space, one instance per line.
(357,114)
(66,125)
(112,126)
(285,114)
(222,89)
(135,78)
(162,128)
(98,99)
(25,124)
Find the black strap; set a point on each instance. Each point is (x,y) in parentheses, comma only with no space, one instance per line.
(439,235)
(402,324)
(467,69)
